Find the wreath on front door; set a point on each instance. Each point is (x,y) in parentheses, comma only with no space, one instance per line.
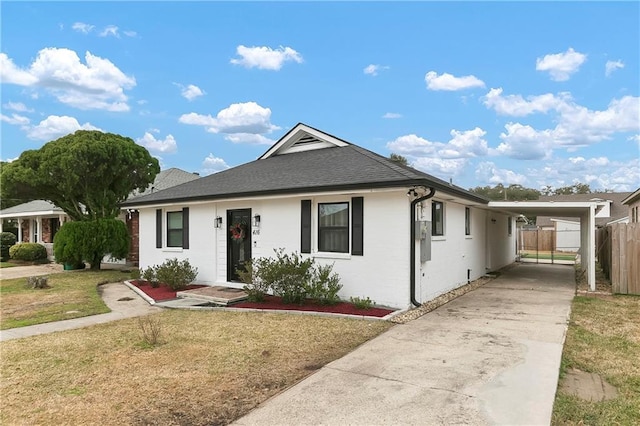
(238,231)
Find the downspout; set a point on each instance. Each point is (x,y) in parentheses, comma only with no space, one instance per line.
(412,240)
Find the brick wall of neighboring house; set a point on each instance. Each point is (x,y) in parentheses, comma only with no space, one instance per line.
(133,223)
(25,231)
(46,231)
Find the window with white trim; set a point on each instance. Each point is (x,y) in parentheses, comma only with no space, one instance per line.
(174,229)
(467,221)
(437,218)
(333,227)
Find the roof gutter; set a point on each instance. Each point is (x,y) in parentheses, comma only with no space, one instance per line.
(412,245)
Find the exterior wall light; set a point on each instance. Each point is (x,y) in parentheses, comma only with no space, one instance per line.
(256,221)
(218,222)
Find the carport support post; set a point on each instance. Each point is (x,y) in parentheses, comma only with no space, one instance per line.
(591,273)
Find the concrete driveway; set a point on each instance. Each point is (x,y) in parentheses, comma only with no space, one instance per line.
(491,356)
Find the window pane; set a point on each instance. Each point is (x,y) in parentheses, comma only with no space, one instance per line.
(333,227)
(467,221)
(174,220)
(174,238)
(174,229)
(437,217)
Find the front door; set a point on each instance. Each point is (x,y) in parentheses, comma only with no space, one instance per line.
(238,241)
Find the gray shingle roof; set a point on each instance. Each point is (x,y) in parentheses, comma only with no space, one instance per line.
(166,179)
(617,209)
(31,207)
(327,169)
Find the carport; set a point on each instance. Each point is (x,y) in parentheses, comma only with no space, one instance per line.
(585,210)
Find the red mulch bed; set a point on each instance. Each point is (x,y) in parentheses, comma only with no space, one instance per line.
(273,302)
(163,292)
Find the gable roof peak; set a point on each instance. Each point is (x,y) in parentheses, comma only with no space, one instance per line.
(303,138)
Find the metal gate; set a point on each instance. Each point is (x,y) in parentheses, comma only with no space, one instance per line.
(548,246)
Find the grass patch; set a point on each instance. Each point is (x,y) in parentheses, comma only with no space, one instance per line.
(211,368)
(548,256)
(603,338)
(7,265)
(72,295)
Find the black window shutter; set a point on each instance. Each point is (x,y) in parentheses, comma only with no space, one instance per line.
(305,227)
(185,227)
(357,239)
(159,228)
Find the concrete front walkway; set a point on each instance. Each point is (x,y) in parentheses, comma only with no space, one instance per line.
(122,301)
(491,356)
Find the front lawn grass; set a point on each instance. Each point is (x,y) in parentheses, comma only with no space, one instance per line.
(211,368)
(7,265)
(603,338)
(72,295)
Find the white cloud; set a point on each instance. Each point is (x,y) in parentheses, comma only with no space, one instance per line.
(561,65)
(166,145)
(213,164)
(248,117)
(516,105)
(249,139)
(392,115)
(110,30)
(440,167)
(612,66)
(10,160)
(81,27)
(15,119)
(191,91)
(523,142)
(488,173)
(56,126)
(17,106)
(97,85)
(449,82)
(11,74)
(130,33)
(599,172)
(265,58)
(373,69)
(465,144)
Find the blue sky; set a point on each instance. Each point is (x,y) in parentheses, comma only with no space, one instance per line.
(481,93)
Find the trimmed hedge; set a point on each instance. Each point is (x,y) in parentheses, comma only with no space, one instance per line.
(29,252)
(7,239)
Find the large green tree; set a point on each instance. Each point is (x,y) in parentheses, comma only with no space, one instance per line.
(510,193)
(87,173)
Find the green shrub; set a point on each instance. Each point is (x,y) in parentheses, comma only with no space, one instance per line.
(135,274)
(176,274)
(361,303)
(29,252)
(291,277)
(255,287)
(324,285)
(149,275)
(7,239)
(91,240)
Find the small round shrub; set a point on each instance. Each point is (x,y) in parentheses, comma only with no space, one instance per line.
(29,252)
(7,239)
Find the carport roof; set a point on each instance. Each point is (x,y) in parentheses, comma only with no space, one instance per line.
(546,208)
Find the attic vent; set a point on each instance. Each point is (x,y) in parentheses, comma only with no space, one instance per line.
(308,139)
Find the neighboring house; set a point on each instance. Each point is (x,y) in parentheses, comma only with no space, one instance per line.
(567,229)
(39,220)
(633,205)
(393,233)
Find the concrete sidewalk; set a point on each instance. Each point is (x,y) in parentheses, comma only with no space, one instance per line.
(122,301)
(491,356)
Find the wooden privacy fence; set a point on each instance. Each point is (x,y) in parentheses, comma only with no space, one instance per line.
(618,251)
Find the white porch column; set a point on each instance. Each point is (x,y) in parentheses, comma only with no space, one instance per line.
(39,229)
(591,272)
(19,230)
